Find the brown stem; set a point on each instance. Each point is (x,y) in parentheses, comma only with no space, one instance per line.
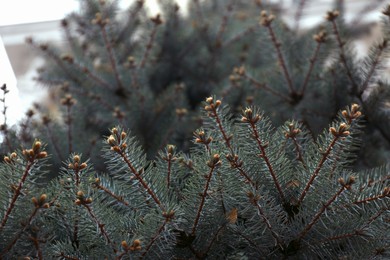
(372,69)
(101,227)
(313,60)
(266,159)
(149,46)
(299,152)
(325,156)
(161,229)
(367,200)
(110,193)
(342,55)
(269,226)
(111,57)
(319,213)
(141,180)
(227,139)
(266,88)
(94,77)
(281,59)
(203,199)
(19,234)
(298,14)
(17,192)
(223,25)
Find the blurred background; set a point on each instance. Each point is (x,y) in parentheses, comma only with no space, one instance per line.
(41,20)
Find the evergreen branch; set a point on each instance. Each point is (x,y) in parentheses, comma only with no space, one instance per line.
(385,193)
(324,158)
(238,36)
(265,87)
(212,241)
(4,126)
(51,137)
(374,65)
(312,60)
(250,241)
(156,22)
(101,227)
(342,52)
(17,192)
(265,220)
(214,162)
(140,179)
(69,123)
(45,48)
(261,147)
(37,247)
(118,198)
(299,152)
(320,212)
(298,13)
(110,52)
(232,157)
(19,234)
(154,238)
(266,20)
(96,78)
(222,27)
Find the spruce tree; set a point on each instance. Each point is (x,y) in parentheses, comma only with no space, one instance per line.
(246,190)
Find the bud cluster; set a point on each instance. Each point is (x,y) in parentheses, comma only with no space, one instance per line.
(81,199)
(68,100)
(99,20)
(212,105)
(253,198)
(117,140)
(157,20)
(266,19)
(320,37)
(292,131)
(332,15)
(136,245)
(249,117)
(201,138)
(347,184)
(41,202)
(170,151)
(342,130)
(11,158)
(214,162)
(351,113)
(169,215)
(76,165)
(35,152)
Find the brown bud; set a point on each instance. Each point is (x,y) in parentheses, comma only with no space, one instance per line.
(80,193)
(37,146)
(46,205)
(42,198)
(83,166)
(35,201)
(209,100)
(332,15)
(76,158)
(111,140)
(7,159)
(42,155)
(157,20)
(124,244)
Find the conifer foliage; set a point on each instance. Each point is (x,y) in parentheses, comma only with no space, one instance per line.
(246,190)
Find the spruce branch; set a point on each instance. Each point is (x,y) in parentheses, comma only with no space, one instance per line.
(32,156)
(96,184)
(102,23)
(213,163)
(4,126)
(68,101)
(316,218)
(241,72)
(233,158)
(156,23)
(377,59)
(118,145)
(38,205)
(331,17)
(320,38)
(266,21)
(251,119)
